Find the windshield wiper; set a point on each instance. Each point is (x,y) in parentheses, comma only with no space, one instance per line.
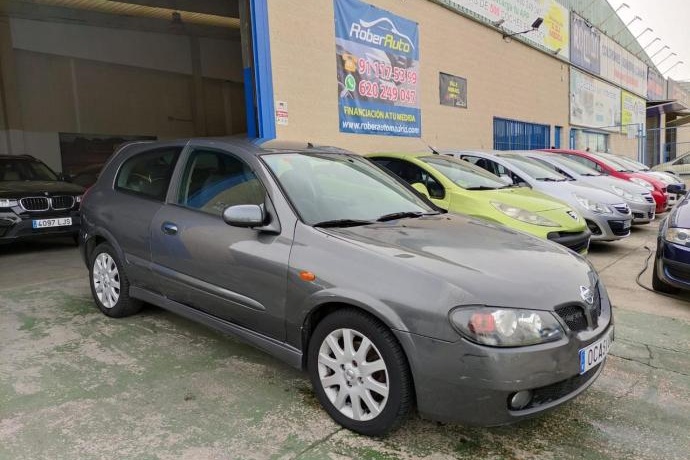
(342,223)
(484,187)
(550,179)
(403,215)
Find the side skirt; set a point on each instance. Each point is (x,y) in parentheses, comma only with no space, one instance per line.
(280,350)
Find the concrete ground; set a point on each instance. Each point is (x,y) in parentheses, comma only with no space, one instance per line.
(76,384)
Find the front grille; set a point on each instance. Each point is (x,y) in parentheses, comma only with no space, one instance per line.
(618,229)
(573,316)
(37,203)
(649,198)
(639,215)
(62,202)
(556,391)
(622,208)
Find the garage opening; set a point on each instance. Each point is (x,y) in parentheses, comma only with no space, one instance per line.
(80,77)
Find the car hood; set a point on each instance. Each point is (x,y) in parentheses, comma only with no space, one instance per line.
(609,181)
(565,191)
(484,263)
(19,189)
(525,198)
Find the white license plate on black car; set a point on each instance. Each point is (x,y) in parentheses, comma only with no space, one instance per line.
(45,223)
(627,224)
(594,354)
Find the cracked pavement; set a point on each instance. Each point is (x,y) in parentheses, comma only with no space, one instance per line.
(75,384)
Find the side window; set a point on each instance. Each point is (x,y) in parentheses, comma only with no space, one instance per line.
(412,174)
(587,162)
(683,160)
(148,174)
(214,180)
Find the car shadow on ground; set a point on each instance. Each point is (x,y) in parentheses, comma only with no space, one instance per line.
(37,246)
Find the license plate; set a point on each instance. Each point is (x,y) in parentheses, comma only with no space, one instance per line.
(595,353)
(45,223)
(627,224)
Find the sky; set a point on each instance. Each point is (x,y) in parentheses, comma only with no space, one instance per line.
(670,21)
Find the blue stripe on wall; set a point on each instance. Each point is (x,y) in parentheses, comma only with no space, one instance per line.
(263,77)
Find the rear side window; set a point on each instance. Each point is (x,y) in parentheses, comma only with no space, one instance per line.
(148,174)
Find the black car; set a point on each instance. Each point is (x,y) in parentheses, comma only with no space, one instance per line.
(36,202)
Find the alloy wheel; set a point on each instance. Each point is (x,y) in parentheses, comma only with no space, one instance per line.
(106,280)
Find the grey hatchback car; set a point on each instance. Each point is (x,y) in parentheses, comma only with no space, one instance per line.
(324,260)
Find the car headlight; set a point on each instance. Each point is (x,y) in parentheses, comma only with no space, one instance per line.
(599,208)
(523,215)
(677,235)
(505,327)
(8,202)
(627,195)
(642,182)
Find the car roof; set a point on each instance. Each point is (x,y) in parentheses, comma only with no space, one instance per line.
(399,154)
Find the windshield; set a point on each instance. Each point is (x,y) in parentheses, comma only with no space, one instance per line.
(21,169)
(327,187)
(616,165)
(576,167)
(533,168)
(628,163)
(464,174)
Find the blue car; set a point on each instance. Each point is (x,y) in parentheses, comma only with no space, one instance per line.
(672,262)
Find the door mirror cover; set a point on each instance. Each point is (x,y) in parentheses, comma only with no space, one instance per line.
(506,178)
(421,188)
(677,189)
(244,215)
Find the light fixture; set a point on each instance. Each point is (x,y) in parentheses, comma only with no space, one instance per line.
(665,47)
(556,51)
(627,26)
(498,23)
(535,25)
(651,43)
(673,66)
(637,38)
(623,5)
(664,59)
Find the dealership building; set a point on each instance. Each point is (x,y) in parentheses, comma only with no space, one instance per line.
(79,77)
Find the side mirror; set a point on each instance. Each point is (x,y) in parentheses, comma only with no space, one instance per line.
(676,189)
(244,215)
(507,179)
(421,188)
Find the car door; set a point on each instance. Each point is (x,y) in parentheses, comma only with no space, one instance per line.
(414,174)
(237,274)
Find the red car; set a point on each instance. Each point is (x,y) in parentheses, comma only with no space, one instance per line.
(612,168)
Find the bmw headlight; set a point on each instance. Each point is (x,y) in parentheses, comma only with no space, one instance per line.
(599,208)
(505,327)
(677,235)
(8,202)
(642,182)
(627,195)
(523,215)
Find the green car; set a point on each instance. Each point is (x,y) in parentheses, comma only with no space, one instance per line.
(461,187)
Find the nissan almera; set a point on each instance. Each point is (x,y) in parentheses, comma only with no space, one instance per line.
(322,259)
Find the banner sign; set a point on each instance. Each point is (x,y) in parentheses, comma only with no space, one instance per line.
(453,90)
(621,67)
(377,55)
(656,85)
(633,113)
(585,44)
(554,33)
(678,93)
(593,103)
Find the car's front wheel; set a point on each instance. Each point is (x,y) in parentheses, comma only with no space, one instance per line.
(360,372)
(109,283)
(659,285)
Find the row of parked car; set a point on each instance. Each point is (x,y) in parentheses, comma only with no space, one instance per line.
(441,280)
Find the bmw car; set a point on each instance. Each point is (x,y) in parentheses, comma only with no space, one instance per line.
(325,261)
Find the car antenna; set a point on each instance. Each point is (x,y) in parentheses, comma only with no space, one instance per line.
(433,150)
(310,145)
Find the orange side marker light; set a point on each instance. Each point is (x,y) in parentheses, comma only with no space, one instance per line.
(307,276)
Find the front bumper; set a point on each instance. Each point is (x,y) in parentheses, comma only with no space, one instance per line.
(19,226)
(578,241)
(673,264)
(642,213)
(661,201)
(472,384)
(608,227)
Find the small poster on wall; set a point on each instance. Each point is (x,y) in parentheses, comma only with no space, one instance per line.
(377,55)
(453,90)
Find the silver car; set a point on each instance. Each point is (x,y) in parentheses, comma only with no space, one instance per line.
(638,198)
(325,261)
(606,214)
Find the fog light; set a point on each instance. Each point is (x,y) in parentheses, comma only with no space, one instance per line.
(520,399)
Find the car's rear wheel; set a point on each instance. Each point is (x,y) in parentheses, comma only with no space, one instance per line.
(109,283)
(360,372)
(659,285)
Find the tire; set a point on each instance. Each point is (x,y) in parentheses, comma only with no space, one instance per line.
(109,283)
(376,378)
(659,285)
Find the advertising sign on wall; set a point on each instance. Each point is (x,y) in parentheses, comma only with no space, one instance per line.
(585,44)
(453,90)
(621,67)
(593,103)
(656,85)
(519,16)
(678,93)
(377,55)
(633,112)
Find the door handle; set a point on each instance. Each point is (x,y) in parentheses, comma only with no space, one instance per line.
(169,228)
